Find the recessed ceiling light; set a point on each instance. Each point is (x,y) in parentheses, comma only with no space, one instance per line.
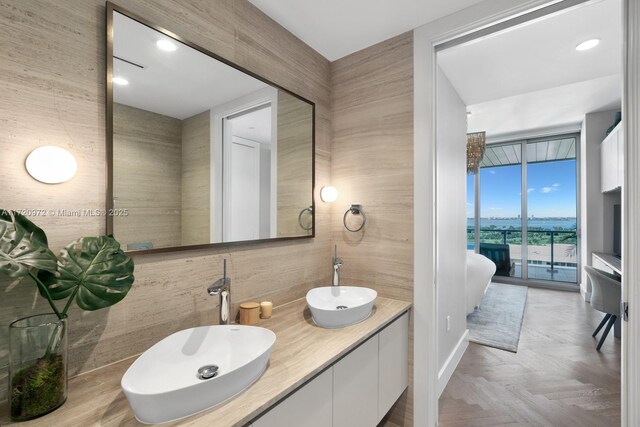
(166,45)
(121,81)
(589,44)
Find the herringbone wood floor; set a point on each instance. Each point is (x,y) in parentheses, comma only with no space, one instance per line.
(557,378)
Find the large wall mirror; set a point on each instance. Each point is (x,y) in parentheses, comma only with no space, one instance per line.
(200,151)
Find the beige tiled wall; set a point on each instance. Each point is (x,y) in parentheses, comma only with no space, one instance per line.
(294,168)
(196,179)
(145,148)
(372,164)
(52,68)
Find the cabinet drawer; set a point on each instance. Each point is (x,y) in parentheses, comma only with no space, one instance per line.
(355,387)
(309,406)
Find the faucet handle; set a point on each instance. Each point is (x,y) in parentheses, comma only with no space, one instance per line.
(219,286)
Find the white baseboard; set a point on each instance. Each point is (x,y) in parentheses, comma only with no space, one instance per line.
(452,362)
(585,295)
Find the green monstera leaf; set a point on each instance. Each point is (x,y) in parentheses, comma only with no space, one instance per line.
(92,270)
(23,245)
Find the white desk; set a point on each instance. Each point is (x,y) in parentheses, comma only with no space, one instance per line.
(606,262)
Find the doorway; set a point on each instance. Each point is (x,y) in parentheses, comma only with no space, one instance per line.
(435,35)
(248,204)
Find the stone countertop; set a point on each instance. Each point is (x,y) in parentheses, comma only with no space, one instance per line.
(302,350)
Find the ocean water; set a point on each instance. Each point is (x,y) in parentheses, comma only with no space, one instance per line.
(543,223)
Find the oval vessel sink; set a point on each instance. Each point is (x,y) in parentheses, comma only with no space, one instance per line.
(196,369)
(340,306)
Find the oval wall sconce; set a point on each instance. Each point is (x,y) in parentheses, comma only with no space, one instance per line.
(51,165)
(328,194)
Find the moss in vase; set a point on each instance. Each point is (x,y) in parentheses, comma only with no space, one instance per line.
(38,388)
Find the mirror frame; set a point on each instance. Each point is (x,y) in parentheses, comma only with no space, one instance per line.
(110,9)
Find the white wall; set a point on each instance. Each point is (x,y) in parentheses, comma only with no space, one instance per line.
(451,237)
(592,200)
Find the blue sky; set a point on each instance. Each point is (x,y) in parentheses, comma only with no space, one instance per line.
(551,190)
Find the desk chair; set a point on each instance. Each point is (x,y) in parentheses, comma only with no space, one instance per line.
(606,294)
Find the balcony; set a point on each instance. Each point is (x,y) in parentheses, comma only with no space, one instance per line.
(551,254)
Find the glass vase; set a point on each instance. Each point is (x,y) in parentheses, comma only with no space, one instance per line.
(37,366)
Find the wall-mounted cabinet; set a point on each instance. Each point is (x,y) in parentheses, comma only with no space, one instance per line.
(612,160)
(358,390)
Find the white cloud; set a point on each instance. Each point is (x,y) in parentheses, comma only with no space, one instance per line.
(495,209)
(554,187)
(530,190)
(492,172)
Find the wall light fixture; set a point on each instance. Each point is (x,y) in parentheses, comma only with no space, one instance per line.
(51,165)
(328,194)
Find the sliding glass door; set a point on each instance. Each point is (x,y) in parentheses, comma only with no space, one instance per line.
(501,208)
(524,204)
(552,245)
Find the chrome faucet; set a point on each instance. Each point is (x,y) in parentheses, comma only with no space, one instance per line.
(222,287)
(337,264)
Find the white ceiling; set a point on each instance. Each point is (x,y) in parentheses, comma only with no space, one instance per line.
(531,76)
(549,108)
(336,28)
(254,125)
(178,84)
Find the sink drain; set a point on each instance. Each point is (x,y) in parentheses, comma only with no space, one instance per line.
(207,372)
(341,307)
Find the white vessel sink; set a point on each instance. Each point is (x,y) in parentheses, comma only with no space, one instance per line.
(164,384)
(340,306)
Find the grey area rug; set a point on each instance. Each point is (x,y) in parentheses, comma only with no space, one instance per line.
(498,320)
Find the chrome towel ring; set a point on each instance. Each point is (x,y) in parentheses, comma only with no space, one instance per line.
(354,210)
(310,210)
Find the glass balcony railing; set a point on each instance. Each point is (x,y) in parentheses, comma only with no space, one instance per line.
(551,254)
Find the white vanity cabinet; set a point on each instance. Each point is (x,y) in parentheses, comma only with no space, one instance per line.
(309,406)
(356,391)
(612,160)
